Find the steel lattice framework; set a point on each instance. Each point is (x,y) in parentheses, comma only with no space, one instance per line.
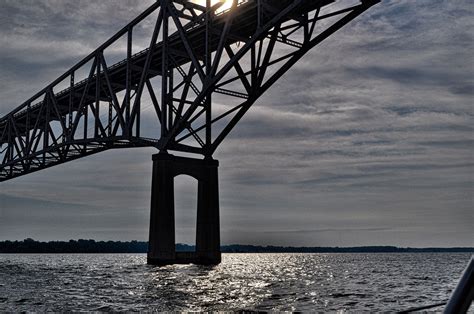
(197,54)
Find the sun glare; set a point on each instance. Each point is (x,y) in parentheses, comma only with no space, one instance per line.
(227,4)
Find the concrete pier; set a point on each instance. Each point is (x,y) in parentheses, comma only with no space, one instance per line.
(161,250)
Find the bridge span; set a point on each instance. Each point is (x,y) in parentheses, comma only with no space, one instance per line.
(195,54)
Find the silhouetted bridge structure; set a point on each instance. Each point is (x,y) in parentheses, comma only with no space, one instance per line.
(196,53)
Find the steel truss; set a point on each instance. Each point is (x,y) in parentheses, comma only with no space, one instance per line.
(202,71)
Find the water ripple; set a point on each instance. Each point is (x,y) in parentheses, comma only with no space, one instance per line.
(260,282)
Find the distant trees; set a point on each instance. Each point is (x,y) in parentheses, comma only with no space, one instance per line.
(92,246)
(72,246)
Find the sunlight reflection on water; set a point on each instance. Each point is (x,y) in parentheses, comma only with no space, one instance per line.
(303,282)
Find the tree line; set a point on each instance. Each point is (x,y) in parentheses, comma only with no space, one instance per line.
(92,246)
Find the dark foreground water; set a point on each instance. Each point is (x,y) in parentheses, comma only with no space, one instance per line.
(304,282)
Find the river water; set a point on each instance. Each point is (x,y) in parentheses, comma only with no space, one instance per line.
(281,282)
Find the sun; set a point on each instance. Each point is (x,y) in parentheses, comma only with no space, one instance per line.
(227,4)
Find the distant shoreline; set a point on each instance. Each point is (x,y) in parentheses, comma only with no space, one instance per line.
(94,247)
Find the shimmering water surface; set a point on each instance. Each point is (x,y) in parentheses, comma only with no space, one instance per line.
(303,282)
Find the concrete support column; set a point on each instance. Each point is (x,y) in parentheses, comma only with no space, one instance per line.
(162,222)
(208,225)
(161,247)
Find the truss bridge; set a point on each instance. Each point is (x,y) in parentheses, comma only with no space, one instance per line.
(202,69)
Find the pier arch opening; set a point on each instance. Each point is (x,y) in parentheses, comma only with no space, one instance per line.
(186,204)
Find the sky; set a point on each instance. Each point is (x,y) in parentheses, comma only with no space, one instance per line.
(368,140)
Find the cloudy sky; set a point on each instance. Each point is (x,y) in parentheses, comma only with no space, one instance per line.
(367,141)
